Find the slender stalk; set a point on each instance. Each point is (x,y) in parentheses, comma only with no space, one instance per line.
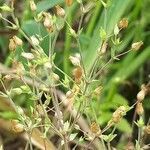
(108,145)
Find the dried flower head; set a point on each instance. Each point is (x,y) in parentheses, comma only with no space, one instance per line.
(60,11)
(68,2)
(16,126)
(123,23)
(33,5)
(78,73)
(137,45)
(94,127)
(139,109)
(147,129)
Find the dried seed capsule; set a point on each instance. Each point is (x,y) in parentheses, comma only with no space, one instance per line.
(12,45)
(17,40)
(139,109)
(78,73)
(118,114)
(141,95)
(75,60)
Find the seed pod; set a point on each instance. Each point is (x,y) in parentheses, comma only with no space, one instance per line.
(141,95)
(12,45)
(17,40)
(139,109)
(60,11)
(68,2)
(33,5)
(123,23)
(136,46)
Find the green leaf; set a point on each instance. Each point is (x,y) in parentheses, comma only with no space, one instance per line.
(119,100)
(124,126)
(47,4)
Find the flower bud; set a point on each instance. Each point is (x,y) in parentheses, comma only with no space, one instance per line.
(17,40)
(136,46)
(33,5)
(123,23)
(55,76)
(12,45)
(60,11)
(68,2)
(28,56)
(75,60)
(139,109)
(35,41)
(141,95)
